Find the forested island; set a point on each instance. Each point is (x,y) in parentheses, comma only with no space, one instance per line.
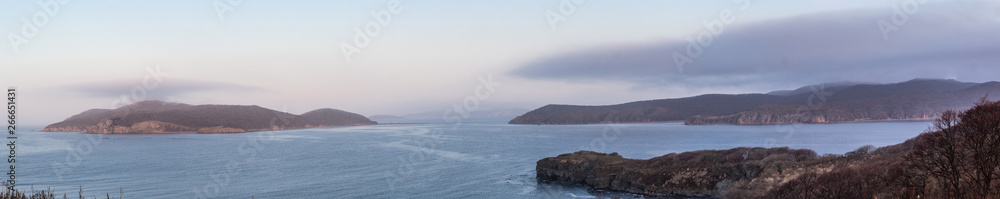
(167,117)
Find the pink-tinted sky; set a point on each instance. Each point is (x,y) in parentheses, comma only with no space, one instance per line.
(69,56)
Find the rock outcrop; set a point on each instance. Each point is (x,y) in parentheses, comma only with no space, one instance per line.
(696,174)
(220,129)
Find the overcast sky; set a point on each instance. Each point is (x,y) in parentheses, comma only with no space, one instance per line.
(69,56)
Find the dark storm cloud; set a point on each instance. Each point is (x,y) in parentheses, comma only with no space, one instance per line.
(153,90)
(953,40)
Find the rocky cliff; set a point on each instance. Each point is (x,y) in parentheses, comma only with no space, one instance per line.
(698,174)
(165,117)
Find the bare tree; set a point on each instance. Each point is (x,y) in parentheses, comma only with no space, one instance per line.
(938,153)
(981,128)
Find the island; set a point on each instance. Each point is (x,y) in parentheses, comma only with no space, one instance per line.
(149,117)
(918,99)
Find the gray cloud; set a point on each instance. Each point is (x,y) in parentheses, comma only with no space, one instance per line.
(165,90)
(940,40)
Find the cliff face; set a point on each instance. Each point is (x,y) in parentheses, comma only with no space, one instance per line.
(697,174)
(612,172)
(163,117)
(911,100)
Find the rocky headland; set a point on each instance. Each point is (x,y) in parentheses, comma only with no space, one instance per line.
(733,173)
(958,157)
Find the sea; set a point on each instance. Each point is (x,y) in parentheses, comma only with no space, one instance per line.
(474,158)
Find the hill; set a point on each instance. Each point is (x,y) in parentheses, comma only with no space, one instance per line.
(842,102)
(166,117)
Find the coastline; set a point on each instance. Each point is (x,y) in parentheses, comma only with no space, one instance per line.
(195,132)
(649,122)
(413,123)
(682,121)
(837,122)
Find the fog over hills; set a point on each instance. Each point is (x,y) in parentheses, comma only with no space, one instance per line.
(917,99)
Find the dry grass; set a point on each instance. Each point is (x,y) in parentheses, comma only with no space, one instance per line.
(47,193)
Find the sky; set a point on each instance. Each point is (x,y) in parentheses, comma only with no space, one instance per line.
(406,56)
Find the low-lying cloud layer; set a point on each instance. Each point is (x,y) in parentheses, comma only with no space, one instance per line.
(134,88)
(936,40)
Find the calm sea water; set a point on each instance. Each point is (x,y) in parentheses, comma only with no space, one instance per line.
(479,158)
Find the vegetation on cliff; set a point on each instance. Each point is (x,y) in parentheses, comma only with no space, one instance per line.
(959,157)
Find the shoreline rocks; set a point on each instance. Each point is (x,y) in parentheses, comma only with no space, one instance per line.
(697,174)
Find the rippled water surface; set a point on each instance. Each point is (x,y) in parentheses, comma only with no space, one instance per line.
(479,158)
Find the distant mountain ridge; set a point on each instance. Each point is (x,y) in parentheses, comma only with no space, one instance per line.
(386,117)
(916,99)
(498,112)
(167,117)
(830,87)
